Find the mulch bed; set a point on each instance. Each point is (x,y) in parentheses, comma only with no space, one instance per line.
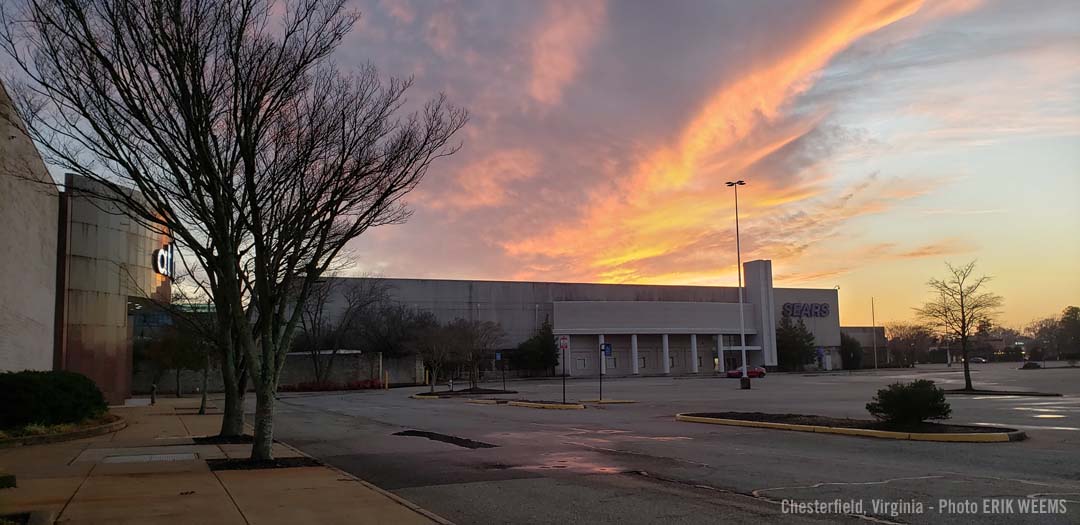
(247,464)
(242,439)
(837,422)
(977,392)
(15,519)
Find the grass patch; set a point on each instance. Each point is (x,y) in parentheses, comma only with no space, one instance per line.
(37,429)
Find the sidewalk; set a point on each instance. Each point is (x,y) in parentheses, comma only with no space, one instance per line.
(152,472)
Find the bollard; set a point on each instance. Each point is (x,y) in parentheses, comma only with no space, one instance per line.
(153,394)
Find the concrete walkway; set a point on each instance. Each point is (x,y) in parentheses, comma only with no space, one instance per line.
(152,472)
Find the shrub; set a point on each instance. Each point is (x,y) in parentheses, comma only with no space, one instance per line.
(907,404)
(48,398)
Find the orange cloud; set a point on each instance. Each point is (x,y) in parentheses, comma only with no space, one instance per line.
(675,197)
(486,182)
(935,249)
(568,30)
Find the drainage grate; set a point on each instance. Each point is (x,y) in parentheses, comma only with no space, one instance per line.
(149,458)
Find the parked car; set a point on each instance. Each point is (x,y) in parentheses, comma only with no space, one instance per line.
(755,371)
(978,359)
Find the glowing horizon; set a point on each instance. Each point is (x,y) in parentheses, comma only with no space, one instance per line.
(878,140)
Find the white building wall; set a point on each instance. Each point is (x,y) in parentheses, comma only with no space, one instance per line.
(28,235)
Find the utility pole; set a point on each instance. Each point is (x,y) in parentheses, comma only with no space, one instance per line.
(873,329)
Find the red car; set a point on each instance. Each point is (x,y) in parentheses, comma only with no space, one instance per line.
(754,371)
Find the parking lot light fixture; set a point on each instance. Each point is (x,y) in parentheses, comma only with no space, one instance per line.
(744,382)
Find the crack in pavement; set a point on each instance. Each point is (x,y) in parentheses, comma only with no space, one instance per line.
(829,483)
(752,495)
(632,453)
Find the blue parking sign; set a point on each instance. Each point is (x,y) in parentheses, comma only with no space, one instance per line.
(606,347)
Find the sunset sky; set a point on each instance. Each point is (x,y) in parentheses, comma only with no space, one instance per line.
(877,139)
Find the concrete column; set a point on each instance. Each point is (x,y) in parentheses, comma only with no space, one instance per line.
(693,353)
(720,353)
(634,354)
(603,360)
(667,356)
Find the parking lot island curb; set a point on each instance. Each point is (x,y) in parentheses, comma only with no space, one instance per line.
(609,401)
(973,437)
(425,396)
(551,406)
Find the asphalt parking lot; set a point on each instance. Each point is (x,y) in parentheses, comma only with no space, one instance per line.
(635,464)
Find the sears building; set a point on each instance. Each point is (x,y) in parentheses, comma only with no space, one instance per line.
(652,329)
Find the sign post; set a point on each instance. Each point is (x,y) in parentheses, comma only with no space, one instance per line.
(605,352)
(564,345)
(498,357)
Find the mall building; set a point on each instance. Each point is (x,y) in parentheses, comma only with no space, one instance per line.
(74,271)
(652,329)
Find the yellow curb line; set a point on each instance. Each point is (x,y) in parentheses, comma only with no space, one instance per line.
(609,401)
(975,437)
(482,401)
(552,406)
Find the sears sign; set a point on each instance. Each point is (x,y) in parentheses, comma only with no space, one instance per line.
(806,309)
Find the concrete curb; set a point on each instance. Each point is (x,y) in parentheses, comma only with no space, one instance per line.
(482,401)
(1021,393)
(550,406)
(23,441)
(424,396)
(974,437)
(398,499)
(609,401)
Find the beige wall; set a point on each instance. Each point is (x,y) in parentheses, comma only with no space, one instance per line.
(826,329)
(28,215)
(655,317)
(107,258)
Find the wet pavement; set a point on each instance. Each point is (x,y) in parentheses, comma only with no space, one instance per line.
(633,464)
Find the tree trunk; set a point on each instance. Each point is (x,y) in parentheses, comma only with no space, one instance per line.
(177,382)
(967,364)
(205,384)
(232,419)
(262,448)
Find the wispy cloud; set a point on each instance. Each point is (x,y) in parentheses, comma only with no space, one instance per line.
(563,37)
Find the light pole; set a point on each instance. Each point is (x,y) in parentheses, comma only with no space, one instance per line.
(744,382)
(873,329)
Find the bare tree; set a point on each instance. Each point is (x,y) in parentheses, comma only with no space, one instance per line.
(436,345)
(909,342)
(959,306)
(240,137)
(475,342)
(332,318)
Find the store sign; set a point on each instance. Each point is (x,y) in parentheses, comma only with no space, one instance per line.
(806,309)
(163,260)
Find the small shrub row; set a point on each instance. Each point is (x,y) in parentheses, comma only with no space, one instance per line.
(366,384)
(908,404)
(48,398)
